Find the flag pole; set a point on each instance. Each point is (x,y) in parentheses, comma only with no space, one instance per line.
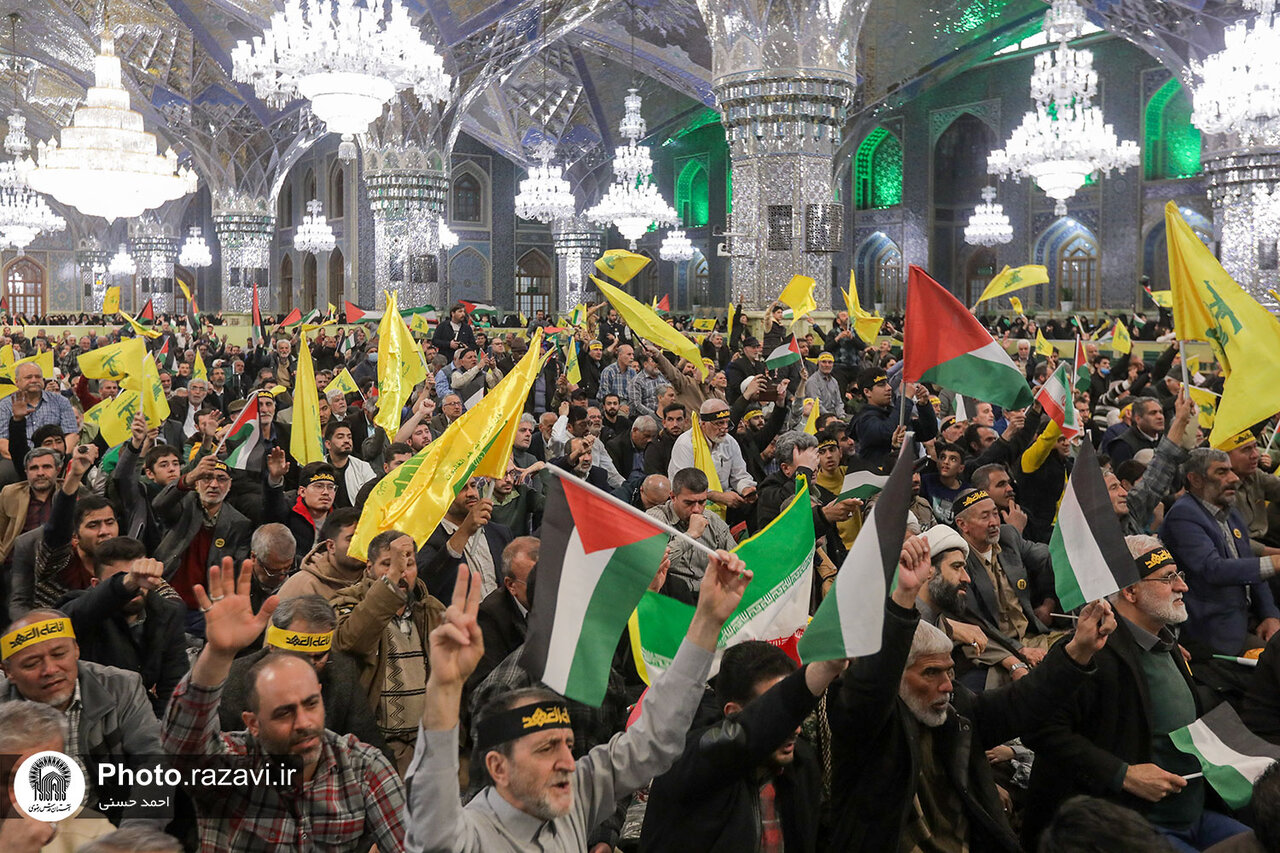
(902,408)
(1186,374)
(623,505)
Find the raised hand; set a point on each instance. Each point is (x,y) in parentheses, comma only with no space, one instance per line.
(1095,624)
(230,623)
(277,464)
(144,574)
(456,645)
(82,459)
(914,570)
(138,428)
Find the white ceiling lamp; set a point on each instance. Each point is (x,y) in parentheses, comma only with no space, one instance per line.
(545,195)
(195,252)
(315,235)
(107,164)
(347,60)
(632,204)
(676,246)
(1236,93)
(122,263)
(989,225)
(1064,140)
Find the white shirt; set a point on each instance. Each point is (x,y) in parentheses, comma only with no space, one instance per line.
(479,558)
(731,468)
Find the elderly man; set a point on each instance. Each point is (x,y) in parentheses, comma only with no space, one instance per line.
(737,486)
(109,716)
(618,377)
(909,764)
(181,424)
(336,775)
(1112,739)
(504,613)
(627,449)
(686,511)
(576,423)
(1257,488)
(539,794)
(1230,605)
(450,411)
(1012,584)
(654,491)
(825,387)
(35,407)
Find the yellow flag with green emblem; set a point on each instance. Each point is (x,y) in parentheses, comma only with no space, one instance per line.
(151,399)
(1043,347)
(572,370)
(703,462)
(138,328)
(399,369)
(647,324)
(1010,279)
(1245,337)
(114,361)
(111,300)
(115,421)
(811,425)
(704,324)
(419,324)
(798,296)
(1206,403)
(198,370)
(344,382)
(43,359)
(865,324)
(1017,305)
(1120,340)
(621,265)
(306,441)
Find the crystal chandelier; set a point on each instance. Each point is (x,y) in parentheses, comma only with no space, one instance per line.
(1064,139)
(315,234)
(545,195)
(676,246)
(632,203)
(122,263)
(107,165)
(24,215)
(347,60)
(448,239)
(989,226)
(1235,94)
(195,251)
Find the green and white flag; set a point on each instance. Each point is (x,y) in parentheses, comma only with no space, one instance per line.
(243,435)
(788,353)
(850,620)
(1090,558)
(1232,756)
(862,485)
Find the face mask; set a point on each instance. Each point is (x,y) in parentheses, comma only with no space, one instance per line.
(373,357)
(1106,371)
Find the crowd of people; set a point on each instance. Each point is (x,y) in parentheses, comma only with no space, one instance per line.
(163,599)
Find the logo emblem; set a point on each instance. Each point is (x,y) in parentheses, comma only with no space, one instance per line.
(219,543)
(1236,531)
(1022,583)
(49,786)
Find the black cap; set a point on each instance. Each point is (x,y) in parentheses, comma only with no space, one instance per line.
(749,341)
(871,377)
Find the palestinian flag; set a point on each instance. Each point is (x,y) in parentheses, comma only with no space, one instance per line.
(1090,558)
(774,608)
(312,317)
(148,313)
(944,343)
(1083,379)
(164,358)
(259,328)
(1232,756)
(862,485)
(293,318)
(354,314)
(597,560)
(1057,396)
(850,620)
(664,304)
(788,353)
(244,435)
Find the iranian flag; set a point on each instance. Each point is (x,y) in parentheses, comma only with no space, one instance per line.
(598,557)
(850,620)
(788,353)
(1090,558)
(1057,396)
(1232,756)
(243,435)
(945,344)
(774,608)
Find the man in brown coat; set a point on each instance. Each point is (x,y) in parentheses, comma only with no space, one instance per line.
(327,568)
(384,621)
(25,506)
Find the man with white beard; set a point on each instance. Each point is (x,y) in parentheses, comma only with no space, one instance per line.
(738,486)
(1112,739)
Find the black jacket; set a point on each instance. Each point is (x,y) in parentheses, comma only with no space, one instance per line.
(876,742)
(504,628)
(282,508)
(873,429)
(438,568)
(178,509)
(104,635)
(444,335)
(710,799)
(1029,568)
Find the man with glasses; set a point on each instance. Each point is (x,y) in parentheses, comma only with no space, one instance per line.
(317,489)
(273,551)
(1112,739)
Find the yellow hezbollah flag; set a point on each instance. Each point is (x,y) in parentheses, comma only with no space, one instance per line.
(192,308)
(111,300)
(1193,364)
(811,425)
(865,324)
(572,370)
(1008,280)
(419,324)
(344,382)
(1043,347)
(1209,306)
(621,265)
(798,295)
(138,328)
(705,324)
(306,441)
(703,462)
(198,370)
(115,422)
(1017,305)
(151,399)
(115,361)
(1120,340)
(398,368)
(1206,402)
(43,359)
(6,360)
(1163,298)
(416,495)
(646,323)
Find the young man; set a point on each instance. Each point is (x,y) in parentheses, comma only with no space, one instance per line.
(317,487)
(352,472)
(328,567)
(940,489)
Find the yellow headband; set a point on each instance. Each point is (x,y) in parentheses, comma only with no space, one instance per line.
(295,641)
(37,632)
(1240,439)
(752,414)
(826,356)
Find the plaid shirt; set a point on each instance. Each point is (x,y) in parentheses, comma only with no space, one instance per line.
(612,381)
(644,393)
(52,409)
(354,799)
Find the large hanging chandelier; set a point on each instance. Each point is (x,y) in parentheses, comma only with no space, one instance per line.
(1064,139)
(122,263)
(107,164)
(989,225)
(1236,93)
(545,195)
(448,239)
(347,60)
(676,246)
(315,235)
(195,251)
(632,203)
